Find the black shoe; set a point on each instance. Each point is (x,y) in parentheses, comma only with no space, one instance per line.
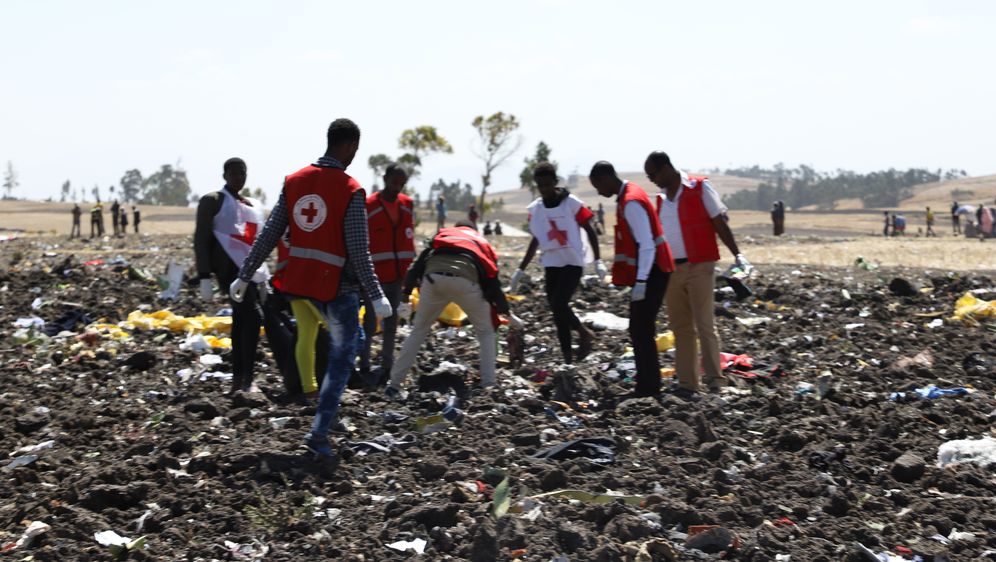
(320,447)
(686,394)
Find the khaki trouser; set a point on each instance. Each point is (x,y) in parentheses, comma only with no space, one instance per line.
(435,293)
(690,311)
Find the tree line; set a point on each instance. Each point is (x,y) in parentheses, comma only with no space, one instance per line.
(804,186)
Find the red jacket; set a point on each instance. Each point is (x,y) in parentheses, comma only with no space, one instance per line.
(624,266)
(464,238)
(392,246)
(316,200)
(697,229)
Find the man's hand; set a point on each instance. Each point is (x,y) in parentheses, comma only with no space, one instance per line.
(207,289)
(744,265)
(516,278)
(601,271)
(383,308)
(639,291)
(514,322)
(238,290)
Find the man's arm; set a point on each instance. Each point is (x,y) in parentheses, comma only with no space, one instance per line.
(530,253)
(266,241)
(207,208)
(415,272)
(714,206)
(358,247)
(725,234)
(639,226)
(592,239)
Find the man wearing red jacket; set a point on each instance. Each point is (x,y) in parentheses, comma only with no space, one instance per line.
(390,220)
(642,261)
(691,215)
(461,267)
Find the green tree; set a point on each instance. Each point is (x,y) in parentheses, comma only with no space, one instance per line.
(65,191)
(419,143)
(95,191)
(167,186)
(10,182)
(257,193)
(131,186)
(378,163)
(498,141)
(526,175)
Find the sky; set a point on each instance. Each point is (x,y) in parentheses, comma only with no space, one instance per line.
(92,89)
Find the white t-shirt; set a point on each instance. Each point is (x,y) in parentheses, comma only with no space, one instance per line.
(669,214)
(558,231)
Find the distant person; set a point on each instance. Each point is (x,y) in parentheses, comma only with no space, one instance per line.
(116,217)
(440,212)
(601,218)
(96,220)
(75,231)
(899,224)
(888,224)
(778,218)
(136,216)
(955,219)
(930,223)
(473,215)
(497,228)
(487,228)
(124,221)
(985,221)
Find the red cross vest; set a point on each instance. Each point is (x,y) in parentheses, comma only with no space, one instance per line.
(624,265)
(697,230)
(464,238)
(392,246)
(316,200)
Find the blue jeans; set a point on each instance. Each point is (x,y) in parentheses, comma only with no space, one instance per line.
(342,316)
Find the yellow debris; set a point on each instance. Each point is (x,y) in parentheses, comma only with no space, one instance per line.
(452,315)
(970,309)
(665,341)
(199,324)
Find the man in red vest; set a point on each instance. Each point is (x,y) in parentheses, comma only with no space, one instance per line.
(461,267)
(691,214)
(328,262)
(642,261)
(390,220)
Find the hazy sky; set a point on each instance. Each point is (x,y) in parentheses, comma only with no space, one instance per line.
(91,89)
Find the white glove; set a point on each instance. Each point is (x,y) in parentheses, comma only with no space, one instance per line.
(639,291)
(383,308)
(514,321)
(516,278)
(207,289)
(238,290)
(404,310)
(601,271)
(743,264)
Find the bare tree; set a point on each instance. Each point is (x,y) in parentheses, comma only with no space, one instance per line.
(498,141)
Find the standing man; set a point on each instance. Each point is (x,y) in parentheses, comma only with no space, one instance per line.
(601,218)
(136,216)
(888,222)
(116,217)
(642,261)
(556,220)
(328,262)
(96,220)
(955,219)
(440,213)
(124,221)
(930,223)
(473,215)
(226,228)
(75,231)
(778,218)
(461,267)
(390,221)
(691,215)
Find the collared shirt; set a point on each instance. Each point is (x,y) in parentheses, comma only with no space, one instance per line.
(669,214)
(639,226)
(358,271)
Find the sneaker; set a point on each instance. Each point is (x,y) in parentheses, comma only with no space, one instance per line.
(686,394)
(392,393)
(319,446)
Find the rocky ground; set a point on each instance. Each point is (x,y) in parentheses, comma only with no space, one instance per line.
(803,462)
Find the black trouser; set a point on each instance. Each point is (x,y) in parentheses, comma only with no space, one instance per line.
(247,317)
(643,333)
(561,282)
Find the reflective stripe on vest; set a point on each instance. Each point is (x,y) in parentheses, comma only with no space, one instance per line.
(392,256)
(623,258)
(313,254)
(280,265)
(374,212)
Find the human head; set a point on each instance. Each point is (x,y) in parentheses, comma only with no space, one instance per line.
(660,171)
(604,179)
(234,171)
(466,224)
(545,176)
(395,178)
(343,140)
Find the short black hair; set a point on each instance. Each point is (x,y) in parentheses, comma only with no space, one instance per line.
(545,169)
(343,131)
(231,162)
(395,167)
(659,158)
(466,223)
(601,169)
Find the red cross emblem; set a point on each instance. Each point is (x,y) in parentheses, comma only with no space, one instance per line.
(248,234)
(556,234)
(310,213)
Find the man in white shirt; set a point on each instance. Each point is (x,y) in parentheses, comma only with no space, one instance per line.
(691,215)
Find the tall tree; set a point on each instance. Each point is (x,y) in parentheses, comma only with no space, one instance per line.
(419,143)
(65,191)
(10,182)
(257,193)
(498,141)
(96,192)
(168,186)
(131,186)
(526,176)
(378,163)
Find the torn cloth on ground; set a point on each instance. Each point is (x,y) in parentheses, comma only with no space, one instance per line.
(382,444)
(599,450)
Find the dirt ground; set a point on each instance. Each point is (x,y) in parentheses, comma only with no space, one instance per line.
(804,457)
